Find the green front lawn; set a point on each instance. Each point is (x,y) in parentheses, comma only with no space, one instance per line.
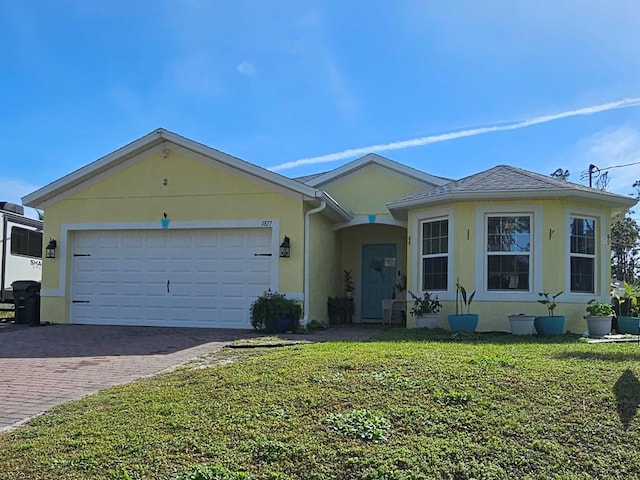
(412,405)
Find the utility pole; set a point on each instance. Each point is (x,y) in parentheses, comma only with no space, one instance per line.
(592,168)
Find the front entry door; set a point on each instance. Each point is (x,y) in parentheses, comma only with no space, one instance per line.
(379,265)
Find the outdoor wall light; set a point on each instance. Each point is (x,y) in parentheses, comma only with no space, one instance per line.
(285,248)
(51,248)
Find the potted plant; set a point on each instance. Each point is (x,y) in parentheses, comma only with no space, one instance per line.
(348,284)
(273,312)
(425,310)
(629,307)
(599,318)
(551,324)
(463,322)
(522,323)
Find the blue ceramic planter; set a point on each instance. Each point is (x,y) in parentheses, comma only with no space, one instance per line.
(549,325)
(463,323)
(629,325)
(283,324)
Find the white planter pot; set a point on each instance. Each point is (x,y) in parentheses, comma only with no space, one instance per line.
(427,320)
(599,325)
(522,324)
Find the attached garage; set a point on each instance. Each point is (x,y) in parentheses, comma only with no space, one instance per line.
(188,277)
(166,231)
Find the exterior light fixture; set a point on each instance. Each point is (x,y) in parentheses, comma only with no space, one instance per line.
(51,248)
(285,248)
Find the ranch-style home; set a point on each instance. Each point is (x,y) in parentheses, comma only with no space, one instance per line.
(167,231)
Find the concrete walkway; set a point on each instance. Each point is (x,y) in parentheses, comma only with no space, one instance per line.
(48,365)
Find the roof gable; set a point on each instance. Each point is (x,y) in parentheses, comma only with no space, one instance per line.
(163,140)
(375,160)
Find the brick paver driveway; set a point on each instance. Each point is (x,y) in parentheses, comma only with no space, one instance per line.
(41,367)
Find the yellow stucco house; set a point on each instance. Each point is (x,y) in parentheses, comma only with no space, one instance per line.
(167,231)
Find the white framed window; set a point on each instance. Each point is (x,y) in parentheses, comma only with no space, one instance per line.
(434,253)
(508,252)
(582,254)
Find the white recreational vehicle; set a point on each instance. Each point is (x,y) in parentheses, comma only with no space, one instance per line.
(21,247)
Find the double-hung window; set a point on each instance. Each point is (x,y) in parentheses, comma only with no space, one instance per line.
(508,252)
(582,240)
(435,254)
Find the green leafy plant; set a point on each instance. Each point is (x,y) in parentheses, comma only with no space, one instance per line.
(424,304)
(361,424)
(461,296)
(205,471)
(549,301)
(271,306)
(599,309)
(629,302)
(315,325)
(452,397)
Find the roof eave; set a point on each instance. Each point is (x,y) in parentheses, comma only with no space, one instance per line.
(611,199)
(338,213)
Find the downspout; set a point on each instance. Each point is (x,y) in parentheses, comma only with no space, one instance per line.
(307,248)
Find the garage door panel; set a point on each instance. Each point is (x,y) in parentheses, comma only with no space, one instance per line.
(213,276)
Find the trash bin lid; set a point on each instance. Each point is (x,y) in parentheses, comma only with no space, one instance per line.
(22,285)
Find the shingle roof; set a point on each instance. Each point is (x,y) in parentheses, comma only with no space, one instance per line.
(308,178)
(501,182)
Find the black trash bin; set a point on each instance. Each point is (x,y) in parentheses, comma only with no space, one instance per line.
(26,295)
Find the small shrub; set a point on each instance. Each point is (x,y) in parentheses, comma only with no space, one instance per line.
(314,325)
(361,424)
(269,307)
(453,397)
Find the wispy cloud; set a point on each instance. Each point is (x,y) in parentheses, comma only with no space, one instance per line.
(246,68)
(443,137)
(616,151)
(14,189)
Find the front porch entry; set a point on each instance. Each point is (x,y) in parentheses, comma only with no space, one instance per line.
(378,277)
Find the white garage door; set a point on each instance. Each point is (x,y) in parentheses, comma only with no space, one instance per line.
(190,278)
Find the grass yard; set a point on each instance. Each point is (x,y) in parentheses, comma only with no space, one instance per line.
(412,405)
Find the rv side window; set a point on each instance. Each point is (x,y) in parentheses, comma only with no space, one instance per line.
(26,242)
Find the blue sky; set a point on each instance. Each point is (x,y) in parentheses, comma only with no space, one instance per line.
(274,82)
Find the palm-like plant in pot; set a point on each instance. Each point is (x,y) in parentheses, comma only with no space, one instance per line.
(425,310)
(551,324)
(599,318)
(273,312)
(463,322)
(629,304)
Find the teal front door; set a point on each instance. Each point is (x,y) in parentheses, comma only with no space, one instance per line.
(379,267)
